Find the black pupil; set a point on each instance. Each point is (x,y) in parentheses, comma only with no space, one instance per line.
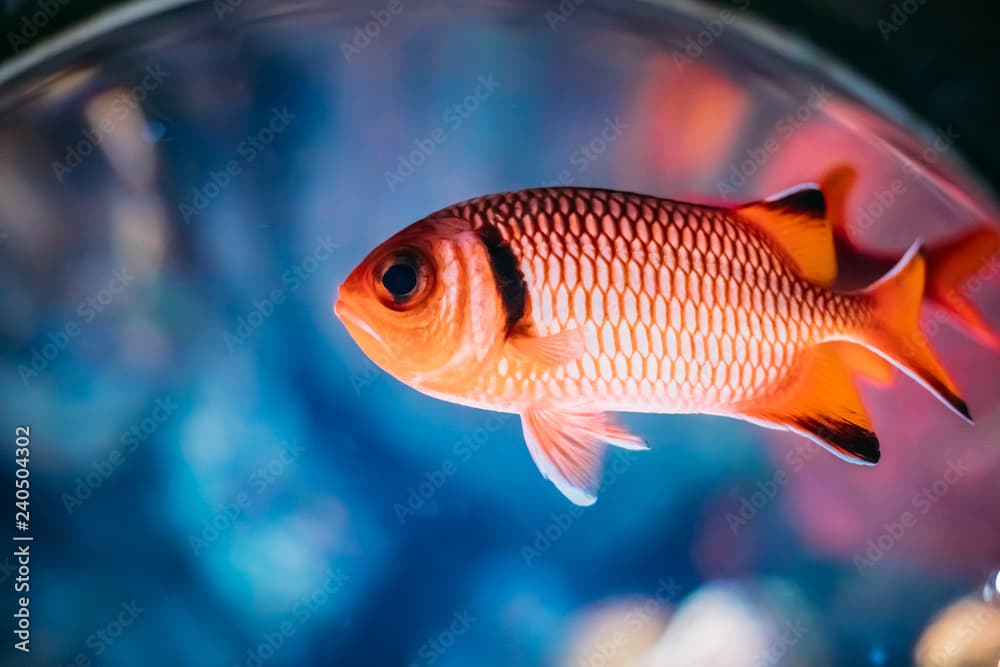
(400,279)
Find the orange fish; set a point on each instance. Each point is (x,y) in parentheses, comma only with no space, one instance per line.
(564,304)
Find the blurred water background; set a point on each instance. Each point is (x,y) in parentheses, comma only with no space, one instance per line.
(219,476)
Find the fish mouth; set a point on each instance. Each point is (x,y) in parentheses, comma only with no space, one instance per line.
(353,320)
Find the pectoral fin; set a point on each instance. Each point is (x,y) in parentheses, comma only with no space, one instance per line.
(568,448)
(818,400)
(554,350)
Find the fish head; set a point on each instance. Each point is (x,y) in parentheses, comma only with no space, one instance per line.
(424,306)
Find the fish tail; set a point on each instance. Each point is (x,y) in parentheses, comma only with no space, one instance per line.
(894,332)
(951,265)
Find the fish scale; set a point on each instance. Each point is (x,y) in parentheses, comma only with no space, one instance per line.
(682,307)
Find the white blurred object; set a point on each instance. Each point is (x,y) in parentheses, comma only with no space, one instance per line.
(119,127)
(140,232)
(991,590)
(616,633)
(736,624)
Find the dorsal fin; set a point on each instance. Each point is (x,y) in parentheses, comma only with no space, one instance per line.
(796,220)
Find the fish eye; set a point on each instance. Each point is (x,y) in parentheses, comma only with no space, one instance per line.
(402,278)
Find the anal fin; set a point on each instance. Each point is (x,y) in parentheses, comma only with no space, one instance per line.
(818,400)
(568,448)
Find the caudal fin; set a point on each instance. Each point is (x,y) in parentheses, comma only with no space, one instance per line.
(950,267)
(895,333)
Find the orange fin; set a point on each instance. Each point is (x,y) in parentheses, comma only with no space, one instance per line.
(896,334)
(555,350)
(817,399)
(568,448)
(796,220)
(951,265)
(869,365)
(836,185)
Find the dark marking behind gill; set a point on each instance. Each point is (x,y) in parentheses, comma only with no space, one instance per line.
(506,274)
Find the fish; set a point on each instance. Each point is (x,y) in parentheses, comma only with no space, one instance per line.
(565,305)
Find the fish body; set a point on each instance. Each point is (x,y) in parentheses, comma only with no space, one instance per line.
(565,304)
(681,308)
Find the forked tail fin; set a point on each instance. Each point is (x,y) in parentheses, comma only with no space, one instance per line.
(950,267)
(895,333)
